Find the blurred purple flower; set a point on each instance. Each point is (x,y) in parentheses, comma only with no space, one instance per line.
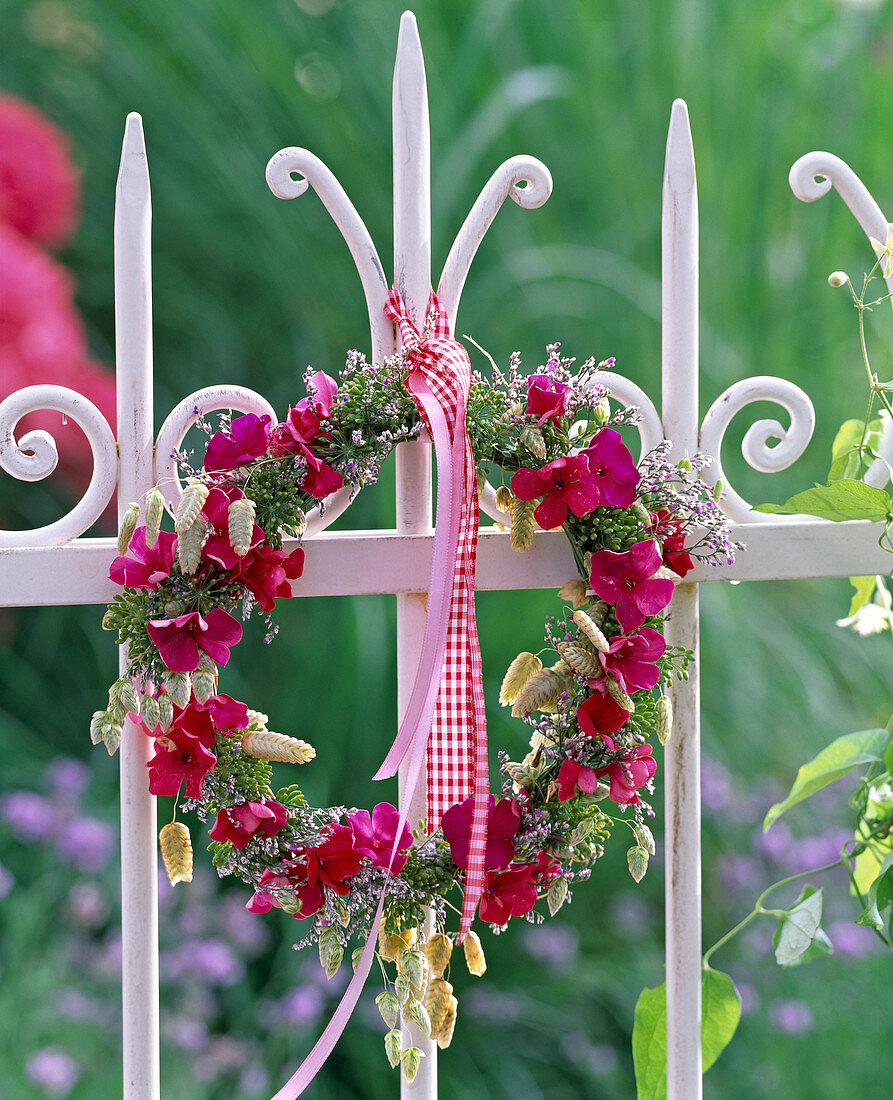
(246,932)
(87,904)
(254,1079)
(30,816)
(300,1006)
(223,1056)
(53,1070)
(792,1017)
(497,1007)
(67,779)
(87,842)
(851,939)
(631,913)
(778,843)
(210,960)
(750,999)
(555,946)
(187,1033)
(738,872)
(816,851)
(600,1058)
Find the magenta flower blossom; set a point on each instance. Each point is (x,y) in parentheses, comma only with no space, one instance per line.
(573,776)
(149,564)
(612,469)
(183,754)
(321,480)
(301,429)
(179,640)
(374,835)
(502,824)
(507,894)
(564,483)
(266,573)
(546,398)
(600,714)
(246,439)
(628,581)
(238,824)
(633,660)
(629,774)
(228,714)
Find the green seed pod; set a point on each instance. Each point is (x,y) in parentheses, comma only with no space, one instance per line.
(189,546)
(240,517)
(444,1035)
(267,745)
(540,691)
(523,524)
(179,687)
(191,503)
(663,718)
(393,1046)
(124,694)
(165,710)
(111,738)
(128,526)
(637,859)
(355,957)
(414,964)
(204,685)
(403,988)
(410,1060)
(556,895)
(117,714)
(532,438)
(150,713)
(602,409)
(644,837)
(437,999)
(641,512)
(99,720)
(581,656)
(388,1006)
(330,951)
(417,1012)
(154,514)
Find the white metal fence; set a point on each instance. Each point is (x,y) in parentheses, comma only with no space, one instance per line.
(56,565)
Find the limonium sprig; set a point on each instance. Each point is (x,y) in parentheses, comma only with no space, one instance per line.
(594,697)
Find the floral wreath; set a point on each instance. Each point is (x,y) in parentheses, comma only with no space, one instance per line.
(553,440)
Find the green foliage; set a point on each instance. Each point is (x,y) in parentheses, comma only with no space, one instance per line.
(834,761)
(855,448)
(840,500)
(799,936)
(880,898)
(721,1011)
(274,486)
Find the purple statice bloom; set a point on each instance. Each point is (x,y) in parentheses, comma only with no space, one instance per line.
(791,1017)
(555,946)
(53,1070)
(30,816)
(87,842)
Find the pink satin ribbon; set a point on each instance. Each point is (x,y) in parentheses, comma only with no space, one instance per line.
(445,718)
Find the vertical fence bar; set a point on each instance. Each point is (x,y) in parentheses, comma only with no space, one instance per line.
(679,277)
(412,276)
(139,861)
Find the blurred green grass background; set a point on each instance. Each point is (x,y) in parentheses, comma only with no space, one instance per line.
(250,290)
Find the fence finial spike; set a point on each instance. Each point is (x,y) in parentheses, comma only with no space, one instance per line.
(133,172)
(679,169)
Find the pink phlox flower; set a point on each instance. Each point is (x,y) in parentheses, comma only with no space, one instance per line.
(601,714)
(293,877)
(238,824)
(181,756)
(266,573)
(546,398)
(321,479)
(572,776)
(303,422)
(510,893)
(374,835)
(180,639)
(672,535)
(149,564)
(228,714)
(612,469)
(39,191)
(628,774)
(503,819)
(546,869)
(262,901)
(334,861)
(564,483)
(218,548)
(246,439)
(633,660)
(627,580)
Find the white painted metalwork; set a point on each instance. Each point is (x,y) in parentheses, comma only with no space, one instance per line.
(53,565)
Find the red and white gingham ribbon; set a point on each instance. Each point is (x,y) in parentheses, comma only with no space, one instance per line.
(450,664)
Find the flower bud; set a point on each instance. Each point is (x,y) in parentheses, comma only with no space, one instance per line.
(838,278)
(602,409)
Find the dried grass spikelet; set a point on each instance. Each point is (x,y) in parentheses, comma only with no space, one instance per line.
(504,498)
(124,694)
(99,719)
(176,851)
(519,672)
(266,745)
(150,712)
(637,861)
(393,1046)
(542,690)
(128,526)
(663,713)
(330,952)
(391,947)
(437,1001)
(204,685)
(619,695)
(574,592)
(179,687)
(415,1011)
(191,503)
(388,1006)
(410,1060)
(438,950)
(154,513)
(556,895)
(444,1034)
(165,710)
(414,964)
(523,523)
(581,656)
(240,517)
(474,954)
(592,631)
(532,438)
(189,546)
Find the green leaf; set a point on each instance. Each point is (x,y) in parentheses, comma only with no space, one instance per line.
(880,895)
(888,757)
(837,759)
(841,500)
(864,587)
(799,929)
(851,455)
(721,1011)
